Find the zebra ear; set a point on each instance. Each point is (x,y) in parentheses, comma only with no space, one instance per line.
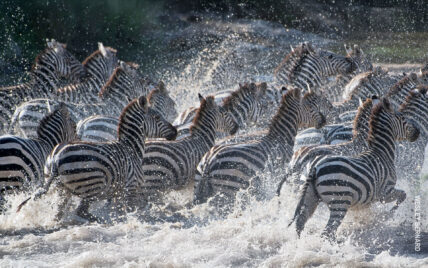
(142,101)
(200,97)
(357,49)
(348,49)
(386,104)
(360,102)
(283,90)
(102,49)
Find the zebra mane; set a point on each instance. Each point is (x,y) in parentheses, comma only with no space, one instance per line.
(204,105)
(285,103)
(374,118)
(118,71)
(141,102)
(397,87)
(293,61)
(243,89)
(364,110)
(420,89)
(47,123)
(96,53)
(39,57)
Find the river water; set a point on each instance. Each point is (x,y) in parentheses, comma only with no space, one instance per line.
(203,58)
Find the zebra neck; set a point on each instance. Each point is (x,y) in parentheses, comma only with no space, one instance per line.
(135,144)
(282,131)
(203,134)
(44,77)
(383,145)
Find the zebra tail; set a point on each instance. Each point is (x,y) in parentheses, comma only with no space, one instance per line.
(203,188)
(308,202)
(53,172)
(284,179)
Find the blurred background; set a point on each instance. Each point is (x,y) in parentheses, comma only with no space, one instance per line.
(149,32)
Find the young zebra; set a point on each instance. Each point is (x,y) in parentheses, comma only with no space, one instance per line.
(172,164)
(344,182)
(99,128)
(116,94)
(306,67)
(249,103)
(308,155)
(99,66)
(96,171)
(50,66)
(22,160)
(226,169)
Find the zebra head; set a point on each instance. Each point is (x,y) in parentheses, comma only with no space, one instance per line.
(211,115)
(160,101)
(359,60)
(415,108)
(139,121)
(101,63)
(310,111)
(386,122)
(62,61)
(57,127)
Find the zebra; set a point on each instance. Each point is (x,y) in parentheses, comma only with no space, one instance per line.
(22,160)
(54,63)
(116,94)
(306,67)
(99,128)
(249,103)
(310,154)
(344,182)
(334,92)
(273,98)
(226,169)
(99,66)
(171,165)
(96,171)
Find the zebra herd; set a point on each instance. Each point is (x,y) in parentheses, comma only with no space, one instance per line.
(330,124)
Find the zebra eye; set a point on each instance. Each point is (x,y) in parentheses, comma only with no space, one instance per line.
(330,56)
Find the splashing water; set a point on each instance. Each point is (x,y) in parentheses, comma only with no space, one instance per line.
(172,235)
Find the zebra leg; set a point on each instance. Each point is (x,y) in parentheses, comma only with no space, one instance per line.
(394,195)
(83,211)
(306,207)
(338,211)
(62,207)
(203,189)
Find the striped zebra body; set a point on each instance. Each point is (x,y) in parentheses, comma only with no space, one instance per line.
(172,165)
(95,171)
(22,160)
(304,67)
(344,182)
(307,156)
(226,169)
(99,128)
(52,64)
(115,93)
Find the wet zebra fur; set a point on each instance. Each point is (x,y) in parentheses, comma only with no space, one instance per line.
(306,67)
(309,155)
(344,182)
(49,68)
(97,171)
(226,169)
(116,94)
(250,103)
(171,165)
(22,160)
(99,128)
(99,67)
